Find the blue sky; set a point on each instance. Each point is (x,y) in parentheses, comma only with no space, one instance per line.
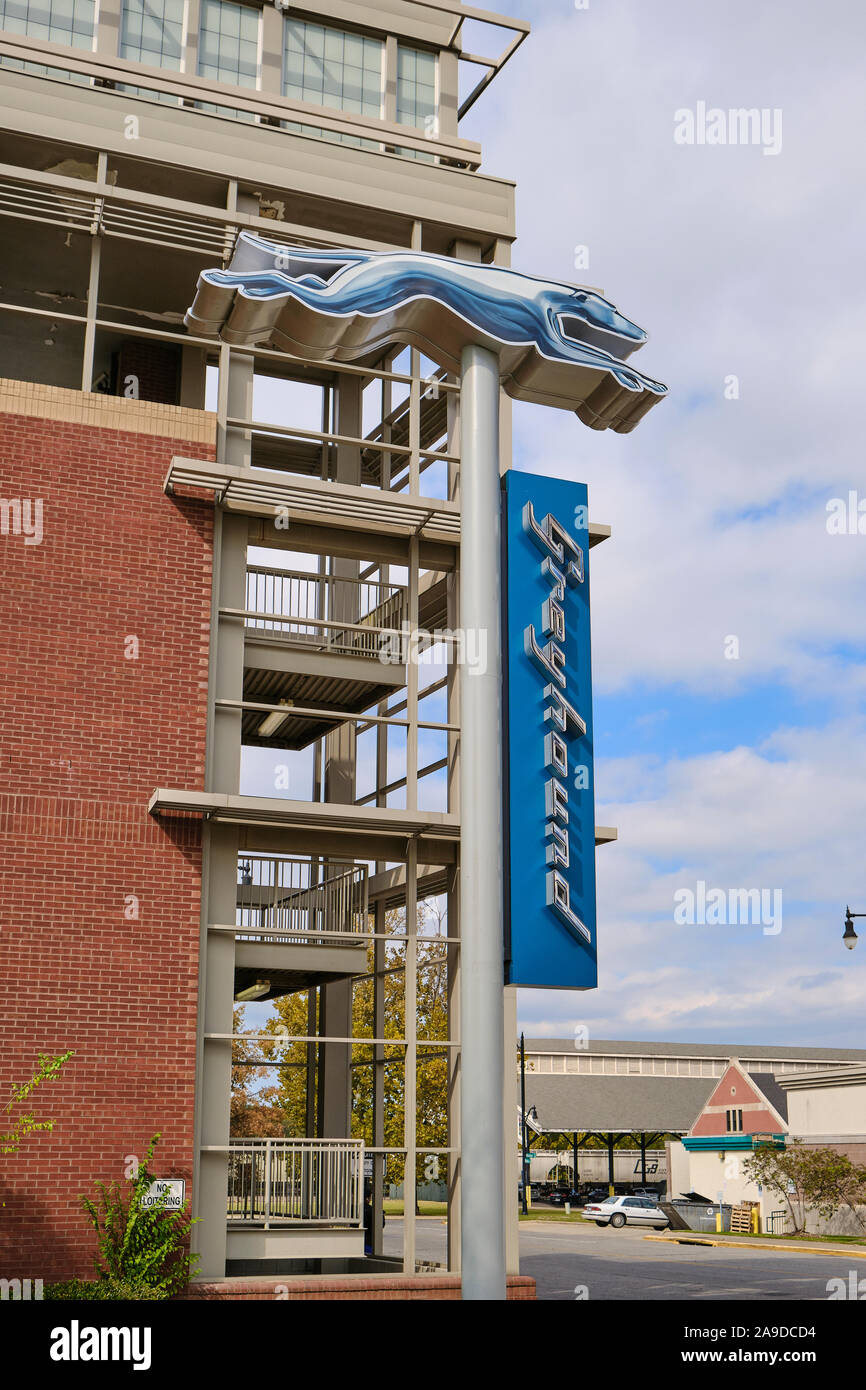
(739,773)
(747,772)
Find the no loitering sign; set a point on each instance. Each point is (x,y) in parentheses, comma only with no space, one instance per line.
(175,1188)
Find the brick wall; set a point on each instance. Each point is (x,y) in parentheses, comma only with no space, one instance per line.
(99,903)
(734,1092)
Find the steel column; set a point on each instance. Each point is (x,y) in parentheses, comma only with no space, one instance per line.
(482,981)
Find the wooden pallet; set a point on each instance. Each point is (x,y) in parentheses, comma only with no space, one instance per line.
(741,1219)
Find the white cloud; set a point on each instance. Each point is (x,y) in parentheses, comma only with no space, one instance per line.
(781,816)
(737,263)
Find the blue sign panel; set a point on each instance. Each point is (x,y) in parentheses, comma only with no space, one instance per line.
(550,939)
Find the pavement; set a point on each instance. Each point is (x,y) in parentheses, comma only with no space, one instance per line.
(808,1247)
(577,1260)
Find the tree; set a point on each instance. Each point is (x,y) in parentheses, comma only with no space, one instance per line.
(48,1069)
(852,1191)
(256,1110)
(808,1180)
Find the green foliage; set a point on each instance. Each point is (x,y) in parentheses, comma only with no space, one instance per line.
(88,1290)
(819,1180)
(48,1069)
(140,1247)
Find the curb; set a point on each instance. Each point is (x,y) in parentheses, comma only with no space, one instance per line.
(696,1238)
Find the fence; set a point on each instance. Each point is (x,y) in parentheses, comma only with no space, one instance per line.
(312,901)
(326,612)
(314,1181)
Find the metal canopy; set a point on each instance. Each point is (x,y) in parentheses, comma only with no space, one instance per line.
(259,491)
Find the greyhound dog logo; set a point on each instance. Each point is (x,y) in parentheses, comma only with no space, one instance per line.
(558,344)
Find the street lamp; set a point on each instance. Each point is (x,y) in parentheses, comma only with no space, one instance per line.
(849,936)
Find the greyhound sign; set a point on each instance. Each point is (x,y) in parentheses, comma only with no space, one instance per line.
(557,344)
(549,806)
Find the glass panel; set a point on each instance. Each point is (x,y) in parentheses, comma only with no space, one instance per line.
(416,94)
(228,49)
(151,31)
(54,21)
(58,21)
(329,67)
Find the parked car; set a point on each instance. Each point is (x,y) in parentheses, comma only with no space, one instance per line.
(561,1195)
(597,1194)
(621,1211)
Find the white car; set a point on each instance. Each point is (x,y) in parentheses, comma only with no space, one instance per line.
(631,1211)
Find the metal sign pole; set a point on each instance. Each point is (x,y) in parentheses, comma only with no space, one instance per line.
(482,1008)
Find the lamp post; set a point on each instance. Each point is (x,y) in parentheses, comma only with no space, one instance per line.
(849,936)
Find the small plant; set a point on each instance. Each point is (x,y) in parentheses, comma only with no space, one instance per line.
(79,1290)
(48,1069)
(140,1247)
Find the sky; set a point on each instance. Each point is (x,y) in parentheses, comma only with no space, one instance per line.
(729,629)
(740,764)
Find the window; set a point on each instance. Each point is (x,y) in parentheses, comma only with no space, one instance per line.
(151,31)
(56,21)
(228,48)
(734,1120)
(416,95)
(331,67)
(416,88)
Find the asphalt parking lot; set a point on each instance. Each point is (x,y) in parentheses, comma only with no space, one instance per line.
(577,1260)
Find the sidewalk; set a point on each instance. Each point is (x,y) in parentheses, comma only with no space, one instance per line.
(806,1247)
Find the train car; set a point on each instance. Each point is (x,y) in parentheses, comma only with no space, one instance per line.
(557,1168)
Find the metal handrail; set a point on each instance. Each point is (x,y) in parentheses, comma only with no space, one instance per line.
(329,612)
(313,900)
(278,1182)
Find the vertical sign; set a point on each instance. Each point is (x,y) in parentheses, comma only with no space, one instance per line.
(550,937)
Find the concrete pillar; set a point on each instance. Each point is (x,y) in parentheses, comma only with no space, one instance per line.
(215,1055)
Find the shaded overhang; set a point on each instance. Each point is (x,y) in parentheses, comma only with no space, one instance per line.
(727,1143)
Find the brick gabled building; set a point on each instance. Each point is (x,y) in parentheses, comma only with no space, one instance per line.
(742,1103)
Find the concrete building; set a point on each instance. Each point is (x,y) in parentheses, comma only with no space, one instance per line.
(828,1109)
(203,549)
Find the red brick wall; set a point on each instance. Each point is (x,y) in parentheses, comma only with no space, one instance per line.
(735,1093)
(436,1288)
(86,736)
